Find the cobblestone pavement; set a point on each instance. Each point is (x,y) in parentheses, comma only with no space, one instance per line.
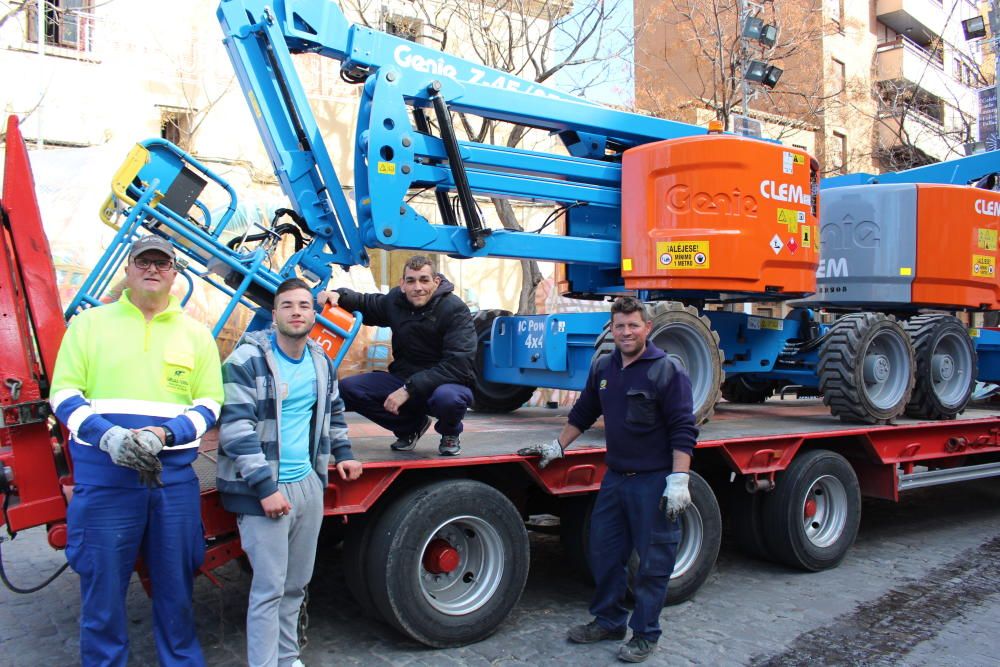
(920,587)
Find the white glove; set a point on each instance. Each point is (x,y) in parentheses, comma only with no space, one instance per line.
(676,496)
(149,441)
(125,451)
(549,451)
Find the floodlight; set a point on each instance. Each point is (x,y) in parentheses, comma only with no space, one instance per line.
(752,27)
(768,35)
(771,76)
(755,71)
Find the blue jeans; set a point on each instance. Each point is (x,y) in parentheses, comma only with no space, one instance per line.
(107,528)
(366,393)
(627,517)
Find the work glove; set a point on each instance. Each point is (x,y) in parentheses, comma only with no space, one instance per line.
(676,496)
(549,451)
(125,451)
(148,441)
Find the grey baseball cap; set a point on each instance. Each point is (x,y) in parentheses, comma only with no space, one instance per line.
(151,242)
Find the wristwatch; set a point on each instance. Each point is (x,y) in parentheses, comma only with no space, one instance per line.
(168,437)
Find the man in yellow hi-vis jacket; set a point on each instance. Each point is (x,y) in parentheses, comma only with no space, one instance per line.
(137,382)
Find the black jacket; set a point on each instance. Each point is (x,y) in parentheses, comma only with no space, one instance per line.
(431,346)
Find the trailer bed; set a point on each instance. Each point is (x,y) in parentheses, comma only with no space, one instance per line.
(488,435)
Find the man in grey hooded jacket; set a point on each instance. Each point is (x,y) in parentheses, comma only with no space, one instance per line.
(282,420)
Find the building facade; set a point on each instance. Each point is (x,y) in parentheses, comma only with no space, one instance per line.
(880,85)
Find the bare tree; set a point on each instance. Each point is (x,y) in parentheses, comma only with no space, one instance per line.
(908,118)
(703,62)
(555,42)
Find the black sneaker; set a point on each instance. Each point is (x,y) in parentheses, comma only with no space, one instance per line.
(636,649)
(449,446)
(408,442)
(589,633)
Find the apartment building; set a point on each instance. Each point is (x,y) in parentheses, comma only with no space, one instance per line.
(880,85)
(108,74)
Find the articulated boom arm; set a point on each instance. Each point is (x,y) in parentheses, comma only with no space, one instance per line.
(406,85)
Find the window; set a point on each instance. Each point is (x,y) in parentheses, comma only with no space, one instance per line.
(176,127)
(835,10)
(67,23)
(839,80)
(837,153)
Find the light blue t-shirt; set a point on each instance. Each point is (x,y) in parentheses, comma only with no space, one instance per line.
(297,389)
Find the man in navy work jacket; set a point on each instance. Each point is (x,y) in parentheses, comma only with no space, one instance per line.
(433,357)
(649,424)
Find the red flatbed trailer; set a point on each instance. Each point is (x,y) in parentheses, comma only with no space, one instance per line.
(438,546)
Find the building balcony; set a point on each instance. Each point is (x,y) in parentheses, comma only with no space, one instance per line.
(904,60)
(921,20)
(917,133)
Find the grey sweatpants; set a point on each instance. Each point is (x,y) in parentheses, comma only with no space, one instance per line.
(281,552)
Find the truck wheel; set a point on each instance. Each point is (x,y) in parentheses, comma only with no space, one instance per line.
(356,545)
(866,368)
(812,516)
(574,532)
(946,366)
(448,562)
(701,536)
(689,339)
(493,396)
(747,522)
(741,390)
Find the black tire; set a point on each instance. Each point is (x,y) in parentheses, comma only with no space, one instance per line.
(811,518)
(689,338)
(489,544)
(866,368)
(356,546)
(746,522)
(574,532)
(741,390)
(946,366)
(495,397)
(701,536)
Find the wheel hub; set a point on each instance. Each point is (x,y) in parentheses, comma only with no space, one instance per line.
(877,368)
(441,558)
(810,509)
(942,368)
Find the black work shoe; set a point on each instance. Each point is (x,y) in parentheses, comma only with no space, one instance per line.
(449,446)
(408,442)
(588,633)
(636,649)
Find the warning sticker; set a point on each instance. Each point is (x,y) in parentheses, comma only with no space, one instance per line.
(768,323)
(807,237)
(776,244)
(792,245)
(984,266)
(682,255)
(974,333)
(787,160)
(987,239)
(388,168)
(791,218)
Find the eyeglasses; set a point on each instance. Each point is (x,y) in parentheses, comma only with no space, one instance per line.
(162,265)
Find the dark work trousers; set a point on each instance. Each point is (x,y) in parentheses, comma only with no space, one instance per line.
(107,528)
(366,394)
(627,516)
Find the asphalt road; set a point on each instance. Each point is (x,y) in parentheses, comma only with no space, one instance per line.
(920,587)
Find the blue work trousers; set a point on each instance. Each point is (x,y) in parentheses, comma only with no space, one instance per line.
(627,517)
(366,394)
(107,528)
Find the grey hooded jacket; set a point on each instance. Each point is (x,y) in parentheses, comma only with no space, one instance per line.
(249,446)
